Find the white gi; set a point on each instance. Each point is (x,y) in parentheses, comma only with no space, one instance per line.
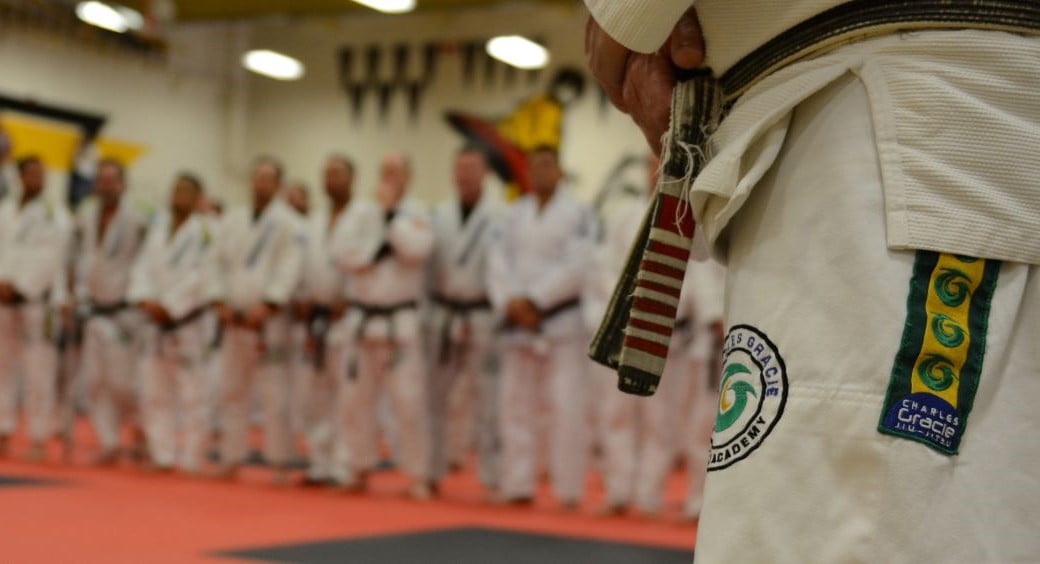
(33,243)
(259,262)
(175,269)
(861,198)
(386,264)
(543,254)
(110,332)
(319,378)
(462,335)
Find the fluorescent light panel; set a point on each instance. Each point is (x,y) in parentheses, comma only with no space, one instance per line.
(273,64)
(518,51)
(103,15)
(389,6)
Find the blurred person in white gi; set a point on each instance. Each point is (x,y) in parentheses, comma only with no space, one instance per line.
(384,248)
(170,284)
(461,320)
(297,196)
(210,210)
(111,233)
(34,237)
(260,255)
(321,305)
(639,434)
(536,273)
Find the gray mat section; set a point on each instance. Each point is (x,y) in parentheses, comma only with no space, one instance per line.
(18,481)
(466,546)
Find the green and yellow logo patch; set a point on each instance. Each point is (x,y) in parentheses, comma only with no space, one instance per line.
(937,368)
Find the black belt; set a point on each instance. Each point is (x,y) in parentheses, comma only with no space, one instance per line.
(237,320)
(551,312)
(20,300)
(370,312)
(318,324)
(461,306)
(190,317)
(107,310)
(457,309)
(560,308)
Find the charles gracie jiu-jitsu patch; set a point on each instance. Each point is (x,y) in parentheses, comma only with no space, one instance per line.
(752,395)
(936,371)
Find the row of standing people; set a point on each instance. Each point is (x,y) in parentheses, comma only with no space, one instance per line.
(321,316)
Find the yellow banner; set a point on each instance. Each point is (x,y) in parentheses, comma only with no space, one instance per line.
(56,142)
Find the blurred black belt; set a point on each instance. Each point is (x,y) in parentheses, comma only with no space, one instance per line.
(107,310)
(20,300)
(370,312)
(560,308)
(548,314)
(190,317)
(457,309)
(321,319)
(461,306)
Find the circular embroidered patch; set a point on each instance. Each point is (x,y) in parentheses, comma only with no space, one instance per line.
(752,395)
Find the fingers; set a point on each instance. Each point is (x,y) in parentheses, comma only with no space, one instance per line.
(648,95)
(607,61)
(641,85)
(687,42)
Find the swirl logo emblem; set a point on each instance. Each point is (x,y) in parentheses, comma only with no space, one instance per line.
(751,396)
(937,369)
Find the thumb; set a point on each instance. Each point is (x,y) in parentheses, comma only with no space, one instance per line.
(687,42)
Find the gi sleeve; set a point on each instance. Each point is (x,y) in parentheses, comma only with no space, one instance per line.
(357,239)
(640,25)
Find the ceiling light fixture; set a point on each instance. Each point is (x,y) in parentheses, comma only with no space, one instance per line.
(113,18)
(518,51)
(272,64)
(389,6)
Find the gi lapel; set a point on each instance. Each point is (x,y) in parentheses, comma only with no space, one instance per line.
(475,225)
(260,243)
